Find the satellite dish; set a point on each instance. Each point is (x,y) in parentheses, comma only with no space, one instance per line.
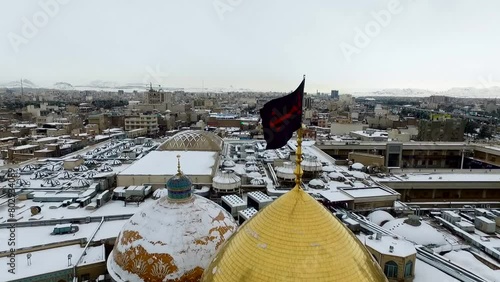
(35,210)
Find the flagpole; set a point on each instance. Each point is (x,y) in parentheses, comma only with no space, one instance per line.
(298,158)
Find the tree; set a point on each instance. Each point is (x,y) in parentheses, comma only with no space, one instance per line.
(484,132)
(470,127)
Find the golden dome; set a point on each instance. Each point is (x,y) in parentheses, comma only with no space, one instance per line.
(293,239)
(170,240)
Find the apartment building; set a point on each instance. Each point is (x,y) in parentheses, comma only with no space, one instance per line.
(148,121)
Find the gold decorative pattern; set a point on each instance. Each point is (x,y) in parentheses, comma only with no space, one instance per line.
(293,239)
(128,237)
(138,259)
(170,241)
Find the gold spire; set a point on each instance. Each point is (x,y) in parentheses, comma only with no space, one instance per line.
(298,160)
(179,172)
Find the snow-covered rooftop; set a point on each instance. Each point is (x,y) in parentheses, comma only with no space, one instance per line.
(367,192)
(165,163)
(50,260)
(400,247)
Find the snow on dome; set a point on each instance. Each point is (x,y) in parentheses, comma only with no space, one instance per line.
(53,166)
(336,175)
(170,240)
(90,162)
(90,174)
(286,171)
(250,158)
(316,183)
(380,217)
(193,140)
(65,175)
(358,174)
(161,192)
(252,168)
(226,180)
(106,168)
(21,183)
(424,234)
(328,168)
(311,163)
(258,181)
(79,183)
(40,175)
(250,163)
(27,168)
(51,182)
(115,162)
(81,168)
(228,163)
(357,166)
(254,175)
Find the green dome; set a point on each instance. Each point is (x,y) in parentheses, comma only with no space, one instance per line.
(179,186)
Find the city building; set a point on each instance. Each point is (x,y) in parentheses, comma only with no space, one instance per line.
(444,130)
(334,94)
(147,121)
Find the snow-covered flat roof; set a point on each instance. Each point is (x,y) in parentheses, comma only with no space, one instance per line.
(24,147)
(466,260)
(336,196)
(40,235)
(110,208)
(367,192)
(425,272)
(58,260)
(165,163)
(400,247)
(443,177)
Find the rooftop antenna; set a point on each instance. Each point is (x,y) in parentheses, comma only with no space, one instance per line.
(22,88)
(150,86)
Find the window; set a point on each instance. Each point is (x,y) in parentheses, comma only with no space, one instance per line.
(391,269)
(408,269)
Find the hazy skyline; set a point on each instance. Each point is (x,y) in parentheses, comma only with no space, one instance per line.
(259,45)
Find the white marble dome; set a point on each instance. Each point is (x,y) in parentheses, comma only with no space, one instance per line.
(170,240)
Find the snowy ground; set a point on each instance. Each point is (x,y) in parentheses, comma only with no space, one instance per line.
(41,264)
(426,273)
(468,261)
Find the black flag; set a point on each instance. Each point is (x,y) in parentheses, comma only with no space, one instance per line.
(281,117)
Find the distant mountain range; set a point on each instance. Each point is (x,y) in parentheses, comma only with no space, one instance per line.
(466,92)
(97,85)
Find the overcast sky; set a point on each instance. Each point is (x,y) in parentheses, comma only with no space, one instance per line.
(256,44)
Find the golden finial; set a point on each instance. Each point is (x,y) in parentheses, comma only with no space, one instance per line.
(179,164)
(298,160)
